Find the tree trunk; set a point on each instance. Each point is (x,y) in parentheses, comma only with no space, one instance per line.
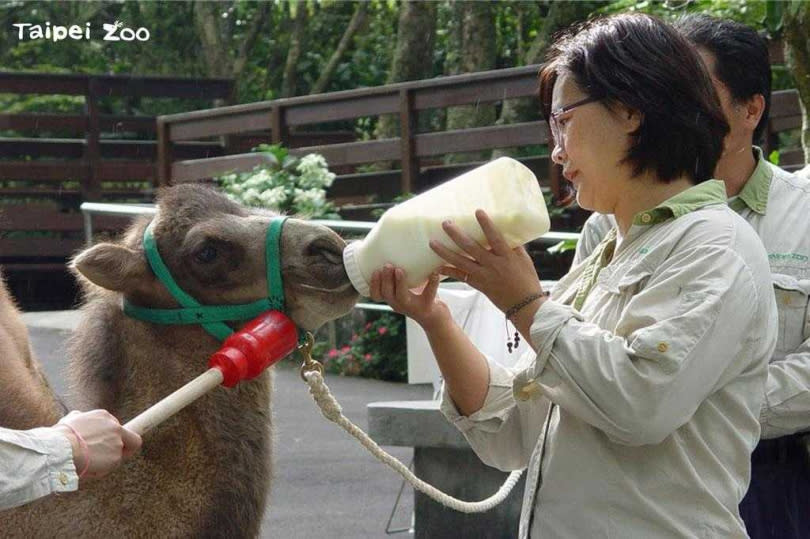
(358,19)
(478,53)
(559,16)
(452,60)
(290,79)
(217,44)
(249,40)
(796,19)
(215,49)
(416,34)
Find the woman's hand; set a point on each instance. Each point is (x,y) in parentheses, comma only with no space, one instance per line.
(388,285)
(506,276)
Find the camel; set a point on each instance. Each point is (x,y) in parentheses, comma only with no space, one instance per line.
(205,472)
(21,379)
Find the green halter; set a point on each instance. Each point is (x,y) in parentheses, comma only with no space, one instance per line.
(212,317)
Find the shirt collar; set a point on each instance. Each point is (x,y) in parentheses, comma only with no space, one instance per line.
(687,201)
(754,193)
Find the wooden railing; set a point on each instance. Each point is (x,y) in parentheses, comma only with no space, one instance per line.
(91,159)
(416,153)
(411,149)
(43,180)
(107,151)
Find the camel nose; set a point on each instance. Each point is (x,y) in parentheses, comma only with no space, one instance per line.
(329,252)
(324,260)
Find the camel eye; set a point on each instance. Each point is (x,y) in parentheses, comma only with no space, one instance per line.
(206,255)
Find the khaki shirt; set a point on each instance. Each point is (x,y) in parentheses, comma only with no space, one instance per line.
(34,463)
(657,383)
(777,204)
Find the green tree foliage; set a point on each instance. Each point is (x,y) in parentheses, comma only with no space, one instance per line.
(796,18)
(252,40)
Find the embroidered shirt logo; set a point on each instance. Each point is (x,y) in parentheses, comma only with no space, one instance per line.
(788,256)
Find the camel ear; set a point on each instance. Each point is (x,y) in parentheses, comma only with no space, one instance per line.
(113,267)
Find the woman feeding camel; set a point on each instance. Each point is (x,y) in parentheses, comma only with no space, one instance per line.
(636,409)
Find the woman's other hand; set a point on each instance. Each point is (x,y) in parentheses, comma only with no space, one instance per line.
(505,275)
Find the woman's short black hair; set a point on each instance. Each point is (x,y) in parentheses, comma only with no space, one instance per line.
(742,62)
(643,63)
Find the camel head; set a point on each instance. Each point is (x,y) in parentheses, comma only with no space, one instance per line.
(215,250)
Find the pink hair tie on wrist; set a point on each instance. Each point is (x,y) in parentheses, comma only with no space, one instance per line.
(84,448)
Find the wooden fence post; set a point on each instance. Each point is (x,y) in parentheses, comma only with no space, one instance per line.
(407,129)
(165,153)
(556,181)
(91,186)
(279,132)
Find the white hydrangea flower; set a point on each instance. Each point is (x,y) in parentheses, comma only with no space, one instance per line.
(251,196)
(274,198)
(309,197)
(235,189)
(301,191)
(314,172)
(311,161)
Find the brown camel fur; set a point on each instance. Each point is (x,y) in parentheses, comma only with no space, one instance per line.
(27,397)
(206,472)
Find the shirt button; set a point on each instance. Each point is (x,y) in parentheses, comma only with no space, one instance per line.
(646,218)
(528,390)
(663,347)
(63,478)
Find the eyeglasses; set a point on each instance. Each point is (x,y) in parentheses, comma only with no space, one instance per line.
(554,123)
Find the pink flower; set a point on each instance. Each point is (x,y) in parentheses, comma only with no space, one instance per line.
(382,331)
(354,337)
(332,353)
(368,325)
(345,349)
(367,357)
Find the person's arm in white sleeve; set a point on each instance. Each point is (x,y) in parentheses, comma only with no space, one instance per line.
(786,409)
(477,392)
(681,335)
(501,434)
(42,461)
(33,464)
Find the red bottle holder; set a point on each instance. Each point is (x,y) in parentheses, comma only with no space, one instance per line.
(263,342)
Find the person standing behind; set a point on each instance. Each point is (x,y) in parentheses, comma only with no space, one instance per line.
(777,205)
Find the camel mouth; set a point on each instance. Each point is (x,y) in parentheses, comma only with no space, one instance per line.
(334,290)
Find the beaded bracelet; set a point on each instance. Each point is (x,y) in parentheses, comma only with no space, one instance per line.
(512,311)
(83,446)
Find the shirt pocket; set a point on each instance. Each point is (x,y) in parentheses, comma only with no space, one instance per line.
(792,296)
(623,280)
(613,292)
(662,324)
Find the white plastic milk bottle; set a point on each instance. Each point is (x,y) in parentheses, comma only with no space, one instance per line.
(504,188)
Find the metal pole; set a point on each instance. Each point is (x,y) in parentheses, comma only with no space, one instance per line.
(88,227)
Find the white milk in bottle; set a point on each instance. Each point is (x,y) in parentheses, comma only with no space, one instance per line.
(504,188)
